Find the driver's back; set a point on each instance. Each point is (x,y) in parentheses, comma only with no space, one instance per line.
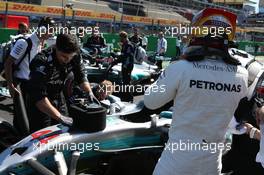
(205,94)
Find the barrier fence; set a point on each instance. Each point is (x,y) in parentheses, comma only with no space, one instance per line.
(112,40)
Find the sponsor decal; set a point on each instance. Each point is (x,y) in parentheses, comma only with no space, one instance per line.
(37,9)
(227,68)
(215,86)
(38,134)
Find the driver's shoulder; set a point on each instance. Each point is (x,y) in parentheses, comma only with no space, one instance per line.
(180,63)
(177,67)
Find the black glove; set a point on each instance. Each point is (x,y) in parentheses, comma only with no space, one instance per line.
(67,121)
(92,98)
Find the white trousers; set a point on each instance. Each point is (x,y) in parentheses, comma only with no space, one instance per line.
(189,163)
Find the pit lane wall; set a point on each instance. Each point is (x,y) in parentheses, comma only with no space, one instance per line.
(112,40)
(5,34)
(255,48)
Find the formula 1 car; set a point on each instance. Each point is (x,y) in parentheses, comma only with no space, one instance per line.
(95,144)
(99,69)
(129,139)
(141,74)
(4,92)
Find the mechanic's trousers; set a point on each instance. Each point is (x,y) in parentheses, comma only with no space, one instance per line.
(159,62)
(20,122)
(127,94)
(39,120)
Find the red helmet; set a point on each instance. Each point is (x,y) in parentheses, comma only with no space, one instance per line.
(214,22)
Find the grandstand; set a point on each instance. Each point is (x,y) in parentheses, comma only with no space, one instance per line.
(181,11)
(142,8)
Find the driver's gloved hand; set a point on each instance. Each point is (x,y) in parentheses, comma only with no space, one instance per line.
(67,121)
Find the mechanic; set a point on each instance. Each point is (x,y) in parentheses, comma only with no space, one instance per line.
(95,42)
(256,161)
(17,66)
(178,46)
(184,44)
(136,39)
(144,41)
(244,150)
(161,48)
(22,29)
(49,71)
(127,60)
(200,115)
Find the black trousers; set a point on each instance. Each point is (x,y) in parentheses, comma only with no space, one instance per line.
(178,51)
(159,62)
(241,159)
(20,120)
(127,94)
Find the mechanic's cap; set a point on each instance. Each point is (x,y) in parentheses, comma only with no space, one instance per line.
(208,20)
(46,21)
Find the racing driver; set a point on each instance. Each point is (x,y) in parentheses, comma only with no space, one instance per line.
(206,86)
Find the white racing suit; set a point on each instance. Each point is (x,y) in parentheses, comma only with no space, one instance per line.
(205,94)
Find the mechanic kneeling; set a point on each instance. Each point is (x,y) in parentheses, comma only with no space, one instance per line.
(49,71)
